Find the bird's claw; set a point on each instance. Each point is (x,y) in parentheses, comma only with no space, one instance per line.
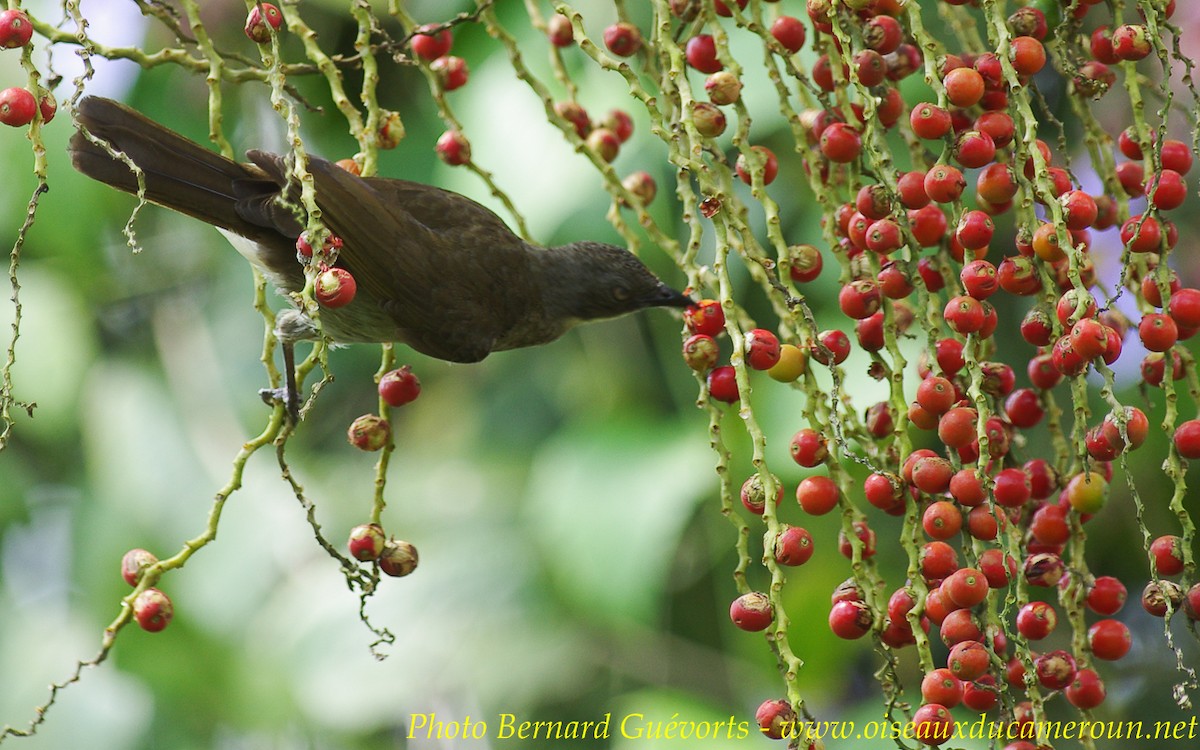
(285,396)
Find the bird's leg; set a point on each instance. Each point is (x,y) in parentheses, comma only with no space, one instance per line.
(290,326)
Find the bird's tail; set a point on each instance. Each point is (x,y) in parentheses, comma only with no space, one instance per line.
(176,172)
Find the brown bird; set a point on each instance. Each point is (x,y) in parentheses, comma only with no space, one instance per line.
(434,270)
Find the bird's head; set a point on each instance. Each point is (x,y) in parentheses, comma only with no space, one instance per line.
(593,281)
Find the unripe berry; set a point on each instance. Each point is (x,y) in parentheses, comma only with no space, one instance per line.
(366,542)
(134,564)
(398,558)
(260,26)
(370,432)
(153,610)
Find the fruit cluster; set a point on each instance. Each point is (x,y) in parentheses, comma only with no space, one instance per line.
(19,106)
(923,259)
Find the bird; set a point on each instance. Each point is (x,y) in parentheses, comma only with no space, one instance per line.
(434,270)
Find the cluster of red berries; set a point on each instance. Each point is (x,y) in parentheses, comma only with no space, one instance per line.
(152,609)
(432,44)
(967,404)
(368,543)
(18,106)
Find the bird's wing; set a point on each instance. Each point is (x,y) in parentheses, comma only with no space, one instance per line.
(441,265)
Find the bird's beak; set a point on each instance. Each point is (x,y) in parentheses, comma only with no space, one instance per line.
(665,296)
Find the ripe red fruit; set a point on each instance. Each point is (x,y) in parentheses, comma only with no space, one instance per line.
(722,384)
(559,31)
(808,448)
(1187,438)
(883,34)
(941,520)
(260,25)
(770,167)
(334,287)
(929,121)
(1036,620)
(1106,596)
(1028,55)
(832,342)
(957,427)
(429,44)
(789,32)
(762,349)
(453,148)
(623,39)
(1024,408)
(1166,189)
(968,660)
(775,718)
(15,29)
(884,237)
(1055,670)
(701,54)
(17,107)
(705,317)
(840,143)
(1086,690)
(936,395)
(134,564)
(153,610)
(944,184)
(1109,639)
(366,542)
(966,587)
(793,546)
(370,432)
(964,87)
(933,724)
(999,568)
(723,10)
(451,71)
(1158,332)
(752,611)
(398,558)
(974,232)
(1131,42)
(399,387)
(1167,552)
(1012,488)
(964,314)
(938,559)
(817,495)
(931,474)
(865,535)
(850,620)
(941,686)
(980,278)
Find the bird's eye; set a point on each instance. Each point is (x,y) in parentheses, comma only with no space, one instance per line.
(620,293)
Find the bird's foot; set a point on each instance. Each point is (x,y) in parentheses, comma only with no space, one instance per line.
(289,394)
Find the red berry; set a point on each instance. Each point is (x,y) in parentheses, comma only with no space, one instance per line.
(808,448)
(1187,438)
(260,25)
(134,564)
(453,148)
(153,610)
(789,32)
(1167,552)
(623,39)
(964,314)
(762,349)
(1055,670)
(929,121)
(944,183)
(1106,596)
(775,718)
(1109,639)
(559,31)
(968,660)
(933,724)
(769,170)
(840,143)
(1028,55)
(850,619)
(701,54)
(334,287)
(752,612)
(705,317)
(700,352)
(1131,42)
(1086,690)
(1158,332)
(15,29)
(941,686)
(17,107)
(832,342)
(722,384)
(793,546)
(430,45)
(399,387)
(451,71)
(366,542)
(1036,620)
(966,587)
